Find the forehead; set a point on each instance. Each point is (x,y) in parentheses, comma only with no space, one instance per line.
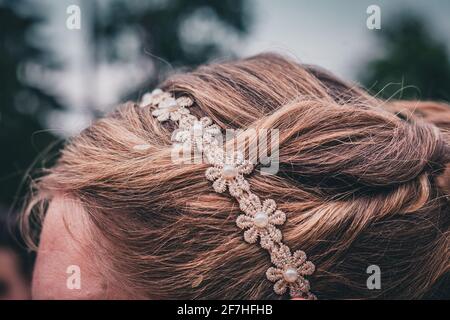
(63,270)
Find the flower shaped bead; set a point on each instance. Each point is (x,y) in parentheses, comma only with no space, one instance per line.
(260,221)
(290,271)
(173,109)
(153,98)
(198,133)
(228,172)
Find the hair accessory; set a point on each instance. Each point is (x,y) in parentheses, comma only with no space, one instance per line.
(260,219)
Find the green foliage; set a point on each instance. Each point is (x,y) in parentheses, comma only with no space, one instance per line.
(160,25)
(415,64)
(21,105)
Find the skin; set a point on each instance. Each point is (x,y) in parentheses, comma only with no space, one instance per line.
(10,275)
(63,243)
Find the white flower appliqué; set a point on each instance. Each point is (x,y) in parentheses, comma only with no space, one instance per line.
(173,109)
(290,271)
(229,171)
(197,133)
(260,221)
(153,98)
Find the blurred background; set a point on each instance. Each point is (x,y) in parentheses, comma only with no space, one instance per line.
(64,63)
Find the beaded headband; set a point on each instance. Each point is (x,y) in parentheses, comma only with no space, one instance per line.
(260,218)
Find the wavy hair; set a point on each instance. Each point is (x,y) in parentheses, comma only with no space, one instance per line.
(363,182)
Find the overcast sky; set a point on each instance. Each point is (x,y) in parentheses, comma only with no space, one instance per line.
(329,33)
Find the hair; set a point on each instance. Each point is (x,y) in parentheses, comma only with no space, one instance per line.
(363,182)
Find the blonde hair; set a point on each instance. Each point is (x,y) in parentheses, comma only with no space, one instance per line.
(362,181)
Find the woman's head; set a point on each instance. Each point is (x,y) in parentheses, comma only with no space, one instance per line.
(362,181)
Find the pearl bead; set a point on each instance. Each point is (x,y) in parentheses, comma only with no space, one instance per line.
(229,171)
(290,275)
(261,219)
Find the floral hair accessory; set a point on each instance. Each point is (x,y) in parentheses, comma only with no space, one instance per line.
(259,219)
